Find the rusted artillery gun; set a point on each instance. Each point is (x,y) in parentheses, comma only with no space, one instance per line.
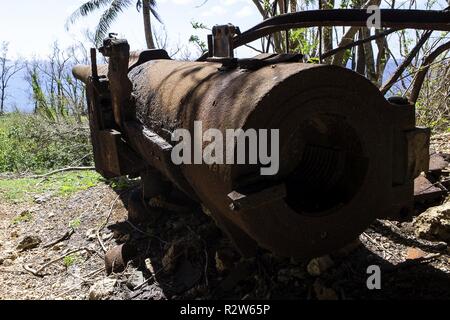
(347,155)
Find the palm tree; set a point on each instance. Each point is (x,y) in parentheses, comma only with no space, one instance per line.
(112,9)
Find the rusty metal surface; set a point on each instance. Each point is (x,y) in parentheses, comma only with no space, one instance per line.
(83,72)
(437,163)
(424,190)
(317,113)
(118,52)
(347,155)
(222,45)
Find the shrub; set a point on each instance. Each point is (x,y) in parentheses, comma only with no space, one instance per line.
(33,143)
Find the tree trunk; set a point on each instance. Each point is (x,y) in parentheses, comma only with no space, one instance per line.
(147,24)
(350,35)
(369,56)
(382,58)
(361,60)
(293,4)
(327,32)
(2,102)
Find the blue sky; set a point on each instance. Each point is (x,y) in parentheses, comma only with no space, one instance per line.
(31,26)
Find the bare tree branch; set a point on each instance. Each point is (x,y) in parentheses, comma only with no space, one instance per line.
(406,62)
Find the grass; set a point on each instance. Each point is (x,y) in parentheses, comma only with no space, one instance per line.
(74,224)
(23,217)
(62,184)
(70,260)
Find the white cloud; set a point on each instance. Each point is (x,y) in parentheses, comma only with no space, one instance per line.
(182,2)
(231,2)
(214,11)
(245,12)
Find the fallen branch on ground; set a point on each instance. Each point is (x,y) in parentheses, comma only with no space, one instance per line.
(62,170)
(65,237)
(37,273)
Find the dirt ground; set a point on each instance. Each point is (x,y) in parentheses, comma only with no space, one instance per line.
(181,254)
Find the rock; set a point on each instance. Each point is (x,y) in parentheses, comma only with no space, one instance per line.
(29,242)
(414,253)
(225,259)
(324,293)
(42,198)
(14,234)
(425,191)
(107,236)
(317,266)
(151,292)
(437,163)
(7,262)
(59,246)
(102,289)
(91,234)
(135,279)
(10,254)
(434,223)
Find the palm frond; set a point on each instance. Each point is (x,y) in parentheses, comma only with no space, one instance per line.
(155,14)
(107,18)
(152,8)
(138,5)
(85,9)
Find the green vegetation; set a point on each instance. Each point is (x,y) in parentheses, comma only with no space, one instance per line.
(34,144)
(23,217)
(62,184)
(122,183)
(75,223)
(70,260)
(31,143)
